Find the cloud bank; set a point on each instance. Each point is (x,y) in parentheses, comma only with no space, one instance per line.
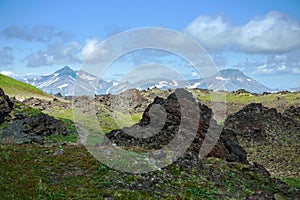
(273,33)
(62,53)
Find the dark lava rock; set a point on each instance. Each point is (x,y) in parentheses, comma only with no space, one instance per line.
(69,98)
(258,168)
(261,196)
(58,95)
(235,152)
(242,91)
(6,106)
(292,112)
(259,124)
(46,105)
(174,121)
(32,129)
(40,104)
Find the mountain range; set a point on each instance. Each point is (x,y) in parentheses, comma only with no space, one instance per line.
(63,81)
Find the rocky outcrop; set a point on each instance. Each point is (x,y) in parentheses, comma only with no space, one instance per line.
(32,129)
(170,121)
(36,103)
(6,106)
(293,113)
(259,124)
(23,128)
(134,100)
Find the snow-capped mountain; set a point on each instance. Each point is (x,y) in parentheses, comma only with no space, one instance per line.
(229,80)
(63,81)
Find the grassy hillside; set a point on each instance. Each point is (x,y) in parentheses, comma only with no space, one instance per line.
(19,89)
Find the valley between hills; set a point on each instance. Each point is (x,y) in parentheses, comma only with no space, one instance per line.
(255,157)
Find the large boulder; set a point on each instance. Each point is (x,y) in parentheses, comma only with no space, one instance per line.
(170,120)
(6,106)
(32,129)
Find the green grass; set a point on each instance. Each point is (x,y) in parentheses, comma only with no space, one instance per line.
(62,138)
(36,172)
(72,135)
(108,121)
(61,113)
(19,89)
(24,109)
(293,182)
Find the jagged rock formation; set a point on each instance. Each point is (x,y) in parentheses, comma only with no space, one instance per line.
(158,128)
(259,124)
(32,129)
(23,129)
(6,106)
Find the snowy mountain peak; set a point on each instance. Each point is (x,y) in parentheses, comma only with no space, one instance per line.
(65,71)
(227,73)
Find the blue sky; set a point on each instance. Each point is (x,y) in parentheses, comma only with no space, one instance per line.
(261,38)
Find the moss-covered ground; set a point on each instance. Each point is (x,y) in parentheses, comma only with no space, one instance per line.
(70,172)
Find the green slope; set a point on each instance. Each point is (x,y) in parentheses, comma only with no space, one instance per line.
(19,89)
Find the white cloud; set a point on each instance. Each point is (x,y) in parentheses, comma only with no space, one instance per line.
(273,33)
(288,63)
(66,53)
(7,73)
(274,64)
(271,69)
(213,33)
(296,70)
(89,47)
(55,54)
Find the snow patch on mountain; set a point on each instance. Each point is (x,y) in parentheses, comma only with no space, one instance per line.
(63,85)
(221,78)
(195,85)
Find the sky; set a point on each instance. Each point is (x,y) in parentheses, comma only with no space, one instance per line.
(261,38)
